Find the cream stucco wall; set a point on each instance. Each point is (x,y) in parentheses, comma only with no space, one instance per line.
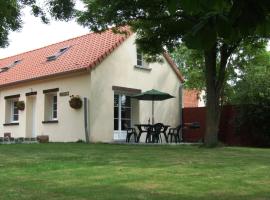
(70,126)
(118,70)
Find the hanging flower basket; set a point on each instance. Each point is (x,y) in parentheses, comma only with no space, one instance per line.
(20,105)
(75,102)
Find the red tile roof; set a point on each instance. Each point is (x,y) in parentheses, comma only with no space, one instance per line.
(85,52)
(174,67)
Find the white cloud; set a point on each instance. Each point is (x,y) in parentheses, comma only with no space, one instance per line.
(35,34)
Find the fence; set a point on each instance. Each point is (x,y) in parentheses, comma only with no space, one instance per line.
(228,133)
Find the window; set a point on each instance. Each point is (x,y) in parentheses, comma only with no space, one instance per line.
(57,54)
(6,68)
(51,106)
(139,58)
(122,112)
(11,110)
(141,64)
(14,111)
(54,107)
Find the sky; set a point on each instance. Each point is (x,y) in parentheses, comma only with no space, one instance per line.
(35,34)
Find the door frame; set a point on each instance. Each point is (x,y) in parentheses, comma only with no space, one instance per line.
(121,134)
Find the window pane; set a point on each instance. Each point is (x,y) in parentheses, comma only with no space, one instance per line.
(115,112)
(54,107)
(125,124)
(54,114)
(54,99)
(15,110)
(116,124)
(125,113)
(116,100)
(139,58)
(139,62)
(125,101)
(15,117)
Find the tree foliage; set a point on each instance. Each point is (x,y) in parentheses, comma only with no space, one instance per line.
(10,14)
(216,27)
(249,54)
(252,94)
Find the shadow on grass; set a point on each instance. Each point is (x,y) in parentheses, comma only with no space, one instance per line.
(111,192)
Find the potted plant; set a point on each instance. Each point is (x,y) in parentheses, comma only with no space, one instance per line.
(75,102)
(20,105)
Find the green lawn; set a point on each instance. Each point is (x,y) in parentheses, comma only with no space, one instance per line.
(100,171)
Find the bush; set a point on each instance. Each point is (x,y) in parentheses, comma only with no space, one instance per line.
(253,98)
(256,119)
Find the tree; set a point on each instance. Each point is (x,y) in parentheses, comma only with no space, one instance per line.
(10,14)
(191,63)
(216,27)
(252,95)
(249,54)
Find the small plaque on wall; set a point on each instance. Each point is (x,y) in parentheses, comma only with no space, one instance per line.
(62,94)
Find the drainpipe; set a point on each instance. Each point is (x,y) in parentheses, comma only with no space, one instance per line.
(181,108)
(86,119)
(181,103)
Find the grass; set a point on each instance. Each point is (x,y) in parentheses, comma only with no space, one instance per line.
(99,171)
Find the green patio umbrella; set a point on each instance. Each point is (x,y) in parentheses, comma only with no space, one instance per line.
(153,95)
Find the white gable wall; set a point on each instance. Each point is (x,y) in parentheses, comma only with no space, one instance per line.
(118,70)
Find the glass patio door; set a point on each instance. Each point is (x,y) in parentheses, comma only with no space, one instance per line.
(122,116)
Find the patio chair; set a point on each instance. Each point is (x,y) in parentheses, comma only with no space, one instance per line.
(176,134)
(154,133)
(130,132)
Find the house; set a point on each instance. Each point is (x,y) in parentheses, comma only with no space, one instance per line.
(193,98)
(104,70)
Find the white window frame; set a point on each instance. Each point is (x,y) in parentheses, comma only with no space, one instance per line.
(52,107)
(144,65)
(139,54)
(119,113)
(12,114)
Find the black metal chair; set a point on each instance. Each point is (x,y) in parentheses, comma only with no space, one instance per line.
(176,134)
(154,133)
(130,132)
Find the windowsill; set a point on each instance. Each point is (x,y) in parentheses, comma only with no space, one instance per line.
(11,124)
(50,122)
(142,67)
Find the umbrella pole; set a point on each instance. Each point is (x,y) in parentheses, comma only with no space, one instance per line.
(152,112)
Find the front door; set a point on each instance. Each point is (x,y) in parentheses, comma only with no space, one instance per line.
(122,115)
(31,116)
(34,117)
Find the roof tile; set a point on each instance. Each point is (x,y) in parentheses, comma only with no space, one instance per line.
(84,52)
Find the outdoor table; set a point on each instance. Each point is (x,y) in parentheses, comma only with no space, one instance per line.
(143,128)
